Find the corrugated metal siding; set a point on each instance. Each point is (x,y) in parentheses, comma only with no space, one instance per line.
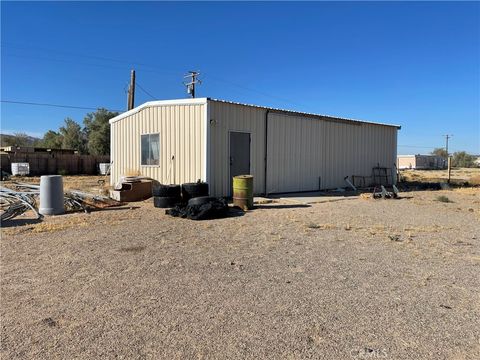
(307,154)
(230,117)
(301,149)
(181,129)
(304,153)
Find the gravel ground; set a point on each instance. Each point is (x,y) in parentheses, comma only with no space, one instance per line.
(391,279)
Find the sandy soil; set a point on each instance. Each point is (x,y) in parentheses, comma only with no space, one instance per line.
(363,278)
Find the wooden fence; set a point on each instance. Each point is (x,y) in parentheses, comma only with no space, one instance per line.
(50,164)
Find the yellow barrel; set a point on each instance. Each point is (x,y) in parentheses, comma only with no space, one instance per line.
(243,191)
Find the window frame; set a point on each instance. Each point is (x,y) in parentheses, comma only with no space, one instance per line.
(159,148)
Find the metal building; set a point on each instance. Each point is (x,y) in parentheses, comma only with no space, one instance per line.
(421,162)
(178,141)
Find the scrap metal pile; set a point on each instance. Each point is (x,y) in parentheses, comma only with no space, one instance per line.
(17,201)
(14,203)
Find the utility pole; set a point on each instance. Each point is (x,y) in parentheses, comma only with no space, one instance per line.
(446,142)
(131,91)
(449,159)
(193,75)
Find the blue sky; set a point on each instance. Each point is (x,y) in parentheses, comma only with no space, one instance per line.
(413,64)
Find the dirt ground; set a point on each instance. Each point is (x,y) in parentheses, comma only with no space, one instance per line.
(358,278)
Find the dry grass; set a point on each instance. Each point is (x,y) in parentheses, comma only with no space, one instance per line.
(87,183)
(51,227)
(366,196)
(467,191)
(457,174)
(474,180)
(443,198)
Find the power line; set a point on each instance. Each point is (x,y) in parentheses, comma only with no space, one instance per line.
(156,69)
(56,105)
(145,91)
(417,146)
(68,53)
(76,54)
(215,78)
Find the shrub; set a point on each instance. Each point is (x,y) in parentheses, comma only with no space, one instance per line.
(444,199)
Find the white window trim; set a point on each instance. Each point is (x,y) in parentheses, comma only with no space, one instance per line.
(159,150)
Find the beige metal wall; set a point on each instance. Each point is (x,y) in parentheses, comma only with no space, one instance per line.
(304,153)
(182,135)
(224,118)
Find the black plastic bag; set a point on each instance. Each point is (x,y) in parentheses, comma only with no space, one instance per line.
(214,209)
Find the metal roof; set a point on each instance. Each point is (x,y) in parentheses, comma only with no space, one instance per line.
(293,112)
(204,100)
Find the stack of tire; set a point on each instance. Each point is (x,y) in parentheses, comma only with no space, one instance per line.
(194,190)
(166,196)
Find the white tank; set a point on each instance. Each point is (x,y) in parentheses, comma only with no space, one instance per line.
(104,168)
(20,169)
(51,195)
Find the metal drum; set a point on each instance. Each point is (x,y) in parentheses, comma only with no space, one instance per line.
(51,195)
(243,191)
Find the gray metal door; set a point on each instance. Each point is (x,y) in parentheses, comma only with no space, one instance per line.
(239,154)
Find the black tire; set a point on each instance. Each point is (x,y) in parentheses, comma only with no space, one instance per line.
(201,200)
(166,191)
(193,190)
(165,202)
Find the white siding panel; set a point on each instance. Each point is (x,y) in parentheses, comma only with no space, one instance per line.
(181,129)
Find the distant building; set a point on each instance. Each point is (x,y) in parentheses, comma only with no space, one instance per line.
(421,162)
(477,160)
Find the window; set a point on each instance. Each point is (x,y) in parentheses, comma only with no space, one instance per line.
(150,149)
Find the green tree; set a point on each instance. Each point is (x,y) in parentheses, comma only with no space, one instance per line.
(97,129)
(52,140)
(18,139)
(440,152)
(463,159)
(73,136)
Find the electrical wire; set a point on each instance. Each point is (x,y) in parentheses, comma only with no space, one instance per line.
(145,91)
(417,146)
(156,69)
(57,105)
